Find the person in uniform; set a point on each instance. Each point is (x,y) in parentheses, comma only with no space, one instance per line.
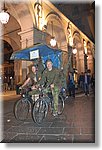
(33,77)
(51,79)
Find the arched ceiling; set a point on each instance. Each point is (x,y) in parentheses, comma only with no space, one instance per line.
(10,33)
(58,31)
(12,26)
(81,14)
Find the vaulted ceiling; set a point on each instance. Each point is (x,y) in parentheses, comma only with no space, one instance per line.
(81,14)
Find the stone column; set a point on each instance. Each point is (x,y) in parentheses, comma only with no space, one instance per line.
(18,71)
(26,41)
(90,63)
(80,61)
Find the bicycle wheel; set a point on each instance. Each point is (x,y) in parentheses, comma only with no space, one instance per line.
(60,104)
(21,109)
(39,110)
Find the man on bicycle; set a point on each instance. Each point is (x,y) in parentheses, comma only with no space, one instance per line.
(51,78)
(33,77)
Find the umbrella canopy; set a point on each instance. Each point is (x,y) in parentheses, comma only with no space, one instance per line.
(40,50)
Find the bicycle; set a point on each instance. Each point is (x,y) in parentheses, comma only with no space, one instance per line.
(43,103)
(37,106)
(23,106)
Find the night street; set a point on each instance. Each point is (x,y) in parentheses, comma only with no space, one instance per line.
(75,125)
(47,47)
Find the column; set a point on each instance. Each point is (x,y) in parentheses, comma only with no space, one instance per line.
(26,41)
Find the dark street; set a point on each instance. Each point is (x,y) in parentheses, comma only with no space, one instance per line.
(75,125)
(48,47)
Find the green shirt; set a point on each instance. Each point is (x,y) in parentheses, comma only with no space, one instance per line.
(34,77)
(51,77)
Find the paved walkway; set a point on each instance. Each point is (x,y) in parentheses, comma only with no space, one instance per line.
(8,94)
(75,125)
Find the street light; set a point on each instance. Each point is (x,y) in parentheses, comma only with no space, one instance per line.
(52,41)
(4,15)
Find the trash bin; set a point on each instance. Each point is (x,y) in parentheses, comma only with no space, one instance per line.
(17,88)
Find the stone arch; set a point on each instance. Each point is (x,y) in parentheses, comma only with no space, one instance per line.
(58,32)
(90,60)
(53,13)
(77,42)
(58,29)
(10,35)
(24,15)
(11,41)
(21,12)
(7,64)
(21,21)
(7,50)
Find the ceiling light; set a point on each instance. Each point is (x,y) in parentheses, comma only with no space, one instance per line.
(74,51)
(52,41)
(4,16)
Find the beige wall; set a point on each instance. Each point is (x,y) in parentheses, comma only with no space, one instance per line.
(26,17)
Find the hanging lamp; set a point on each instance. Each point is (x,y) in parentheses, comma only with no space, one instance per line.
(4,15)
(52,41)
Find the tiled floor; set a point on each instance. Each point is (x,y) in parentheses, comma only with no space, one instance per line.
(75,125)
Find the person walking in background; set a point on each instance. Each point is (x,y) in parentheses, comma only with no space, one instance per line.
(81,81)
(87,80)
(5,83)
(71,84)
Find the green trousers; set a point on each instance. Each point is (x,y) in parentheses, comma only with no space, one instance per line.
(55,93)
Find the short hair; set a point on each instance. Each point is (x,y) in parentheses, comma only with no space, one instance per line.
(48,60)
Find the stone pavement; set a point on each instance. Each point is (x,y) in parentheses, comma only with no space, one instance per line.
(75,125)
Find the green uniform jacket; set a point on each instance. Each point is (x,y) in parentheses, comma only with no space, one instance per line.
(51,77)
(34,77)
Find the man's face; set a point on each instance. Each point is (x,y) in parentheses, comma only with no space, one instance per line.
(49,65)
(34,69)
